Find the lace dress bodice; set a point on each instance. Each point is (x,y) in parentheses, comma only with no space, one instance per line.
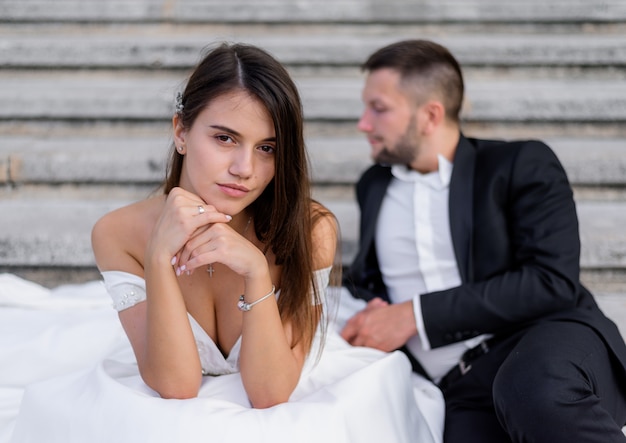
(126,290)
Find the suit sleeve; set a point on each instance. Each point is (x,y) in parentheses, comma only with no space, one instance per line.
(526,265)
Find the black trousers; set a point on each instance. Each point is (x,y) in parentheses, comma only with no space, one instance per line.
(555,382)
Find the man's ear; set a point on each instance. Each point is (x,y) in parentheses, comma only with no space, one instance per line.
(432,116)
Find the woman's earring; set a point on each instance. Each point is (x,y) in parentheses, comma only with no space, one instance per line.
(180,149)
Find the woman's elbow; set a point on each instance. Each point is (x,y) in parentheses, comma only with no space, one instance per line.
(178,395)
(175,389)
(268,402)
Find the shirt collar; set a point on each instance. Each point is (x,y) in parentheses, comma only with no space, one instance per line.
(438,179)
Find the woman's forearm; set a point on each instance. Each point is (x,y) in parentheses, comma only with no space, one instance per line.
(270,369)
(170,364)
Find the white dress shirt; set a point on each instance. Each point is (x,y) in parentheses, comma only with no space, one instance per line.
(415,253)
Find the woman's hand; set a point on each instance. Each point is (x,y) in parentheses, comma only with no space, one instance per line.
(220,243)
(181,219)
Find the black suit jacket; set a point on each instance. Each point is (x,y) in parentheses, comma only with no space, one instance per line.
(515,235)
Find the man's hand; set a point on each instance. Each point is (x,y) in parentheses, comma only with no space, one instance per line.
(381,325)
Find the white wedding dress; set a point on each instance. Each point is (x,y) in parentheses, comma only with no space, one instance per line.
(68,374)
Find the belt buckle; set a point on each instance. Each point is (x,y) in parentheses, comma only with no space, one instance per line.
(464,367)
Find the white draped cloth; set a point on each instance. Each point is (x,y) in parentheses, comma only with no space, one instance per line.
(68,374)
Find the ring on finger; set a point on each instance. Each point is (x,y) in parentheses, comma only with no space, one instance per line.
(200,209)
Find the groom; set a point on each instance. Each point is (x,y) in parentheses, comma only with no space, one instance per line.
(469,261)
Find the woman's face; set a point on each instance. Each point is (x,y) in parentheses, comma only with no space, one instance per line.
(229,152)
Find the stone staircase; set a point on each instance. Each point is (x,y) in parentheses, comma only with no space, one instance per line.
(87,88)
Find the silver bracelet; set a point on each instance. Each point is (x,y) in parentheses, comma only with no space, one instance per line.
(243,306)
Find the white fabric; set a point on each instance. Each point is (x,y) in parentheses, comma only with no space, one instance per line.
(72,375)
(416,206)
(125,289)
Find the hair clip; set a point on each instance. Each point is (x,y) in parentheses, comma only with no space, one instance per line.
(179,103)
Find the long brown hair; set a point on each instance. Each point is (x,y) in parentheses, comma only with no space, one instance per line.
(283,212)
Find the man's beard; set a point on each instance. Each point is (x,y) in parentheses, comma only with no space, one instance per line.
(404,152)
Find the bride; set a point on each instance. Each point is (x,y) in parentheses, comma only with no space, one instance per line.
(220,284)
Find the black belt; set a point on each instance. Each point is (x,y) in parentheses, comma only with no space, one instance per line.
(465,364)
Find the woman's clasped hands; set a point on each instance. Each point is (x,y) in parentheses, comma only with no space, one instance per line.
(192,234)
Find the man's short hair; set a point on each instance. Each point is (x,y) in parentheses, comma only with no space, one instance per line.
(426,68)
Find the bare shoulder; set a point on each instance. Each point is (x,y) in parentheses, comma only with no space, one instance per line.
(324,236)
(119,237)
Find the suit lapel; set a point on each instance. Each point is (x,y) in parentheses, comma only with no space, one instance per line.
(363,278)
(461,207)
(372,205)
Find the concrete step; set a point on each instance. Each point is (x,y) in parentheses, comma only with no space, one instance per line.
(140,160)
(150,46)
(393,11)
(54,231)
(120,96)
